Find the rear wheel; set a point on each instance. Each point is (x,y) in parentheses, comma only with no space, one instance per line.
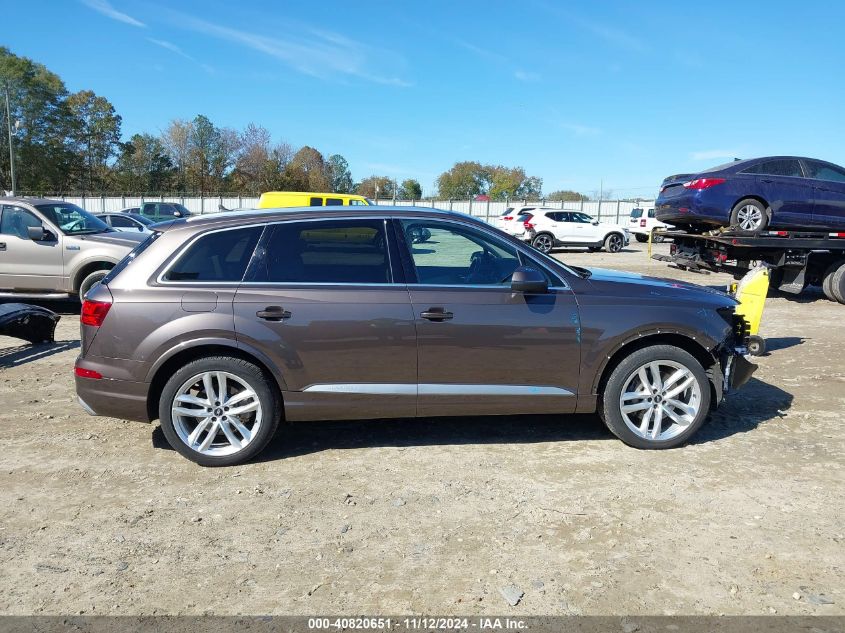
(641,237)
(756,345)
(836,285)
(749,216)
(827,280)
(219,411)
(543,243)
(613,243)
(657,397)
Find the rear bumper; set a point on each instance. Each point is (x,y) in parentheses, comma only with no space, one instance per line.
(113,398)
(695,207)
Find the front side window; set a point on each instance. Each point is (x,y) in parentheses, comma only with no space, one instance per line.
(15,221)
(456,255)
(71,219)
(782,167)
(221,256)
(825,171)
(581,217)
(337,251)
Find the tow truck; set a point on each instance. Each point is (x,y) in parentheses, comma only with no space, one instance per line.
(796,259)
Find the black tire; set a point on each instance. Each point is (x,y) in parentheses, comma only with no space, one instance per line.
(262,385)
(657,238)
(641,238)
(749,216)
(827,280)
(609,403)
(543,242)
(837,284)
(90,281)
(756,345)
(614,243)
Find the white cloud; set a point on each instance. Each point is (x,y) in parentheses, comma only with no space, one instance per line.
(171,47)
(713,154)
(526,76)
(105,7)
(580,130)
(315,52)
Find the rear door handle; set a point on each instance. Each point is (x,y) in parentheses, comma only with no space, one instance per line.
(273,313)
(437,314)
(2,246)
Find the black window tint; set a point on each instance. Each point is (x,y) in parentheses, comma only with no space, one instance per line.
(454,255)
(316,202)
(122,222)
(340,251)
(783,167)
(220,256)
(15,221)
(636,213)
(824,171)
(334,202)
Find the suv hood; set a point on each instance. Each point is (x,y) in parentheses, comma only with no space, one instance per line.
(632,284)
(117,238)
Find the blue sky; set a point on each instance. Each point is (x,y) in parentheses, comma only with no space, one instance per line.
(576,93)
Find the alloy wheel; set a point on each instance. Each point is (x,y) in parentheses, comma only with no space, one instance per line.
(614,244)
(749,217)
(660,400)
(543,243)
(216,413)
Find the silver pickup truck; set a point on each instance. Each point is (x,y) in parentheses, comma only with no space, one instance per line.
(51,249)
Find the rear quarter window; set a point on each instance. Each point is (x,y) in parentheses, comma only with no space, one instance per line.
(222,256)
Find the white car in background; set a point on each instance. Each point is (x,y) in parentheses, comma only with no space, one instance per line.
(642,223)
(549,228)
(513,219)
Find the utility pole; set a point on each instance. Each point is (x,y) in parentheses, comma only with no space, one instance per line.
(11,146)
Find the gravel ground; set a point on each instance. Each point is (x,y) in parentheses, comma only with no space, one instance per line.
(448,516)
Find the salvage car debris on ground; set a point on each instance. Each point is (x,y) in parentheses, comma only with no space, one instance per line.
(28,322)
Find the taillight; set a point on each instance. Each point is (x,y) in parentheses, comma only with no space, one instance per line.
(94,312)
(703,183)
(508,218)
(528,226)
(87,373)
(642,222)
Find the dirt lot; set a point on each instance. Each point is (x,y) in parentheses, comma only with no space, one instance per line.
(437,516)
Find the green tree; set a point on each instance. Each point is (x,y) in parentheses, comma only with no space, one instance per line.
(176,139)
(531,188)
(466,179)
(566,195)
(307,171)
(37,98)
(144,166)
(505,182)
(339,174)
(410,190)
(95,137)
(375,187)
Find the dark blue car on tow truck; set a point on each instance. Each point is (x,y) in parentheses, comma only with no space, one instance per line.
(755,195)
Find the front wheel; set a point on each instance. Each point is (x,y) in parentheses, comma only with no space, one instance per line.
(613,243)
(543,243)
(219,411)
(657,397)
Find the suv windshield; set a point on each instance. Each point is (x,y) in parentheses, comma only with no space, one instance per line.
(71,219)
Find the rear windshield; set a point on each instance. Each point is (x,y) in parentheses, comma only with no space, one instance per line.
(636,213)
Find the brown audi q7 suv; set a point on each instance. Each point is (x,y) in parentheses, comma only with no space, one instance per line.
(221,326)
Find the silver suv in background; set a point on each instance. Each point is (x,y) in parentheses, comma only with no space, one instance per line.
(51,249)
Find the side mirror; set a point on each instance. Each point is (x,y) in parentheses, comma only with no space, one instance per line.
(39,234)
(595,222)
(177,214)
(529,280)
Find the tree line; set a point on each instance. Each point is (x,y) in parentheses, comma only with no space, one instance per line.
(72,143)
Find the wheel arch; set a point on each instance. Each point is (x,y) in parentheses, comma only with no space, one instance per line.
(86,269)
(676,339)
(187,352)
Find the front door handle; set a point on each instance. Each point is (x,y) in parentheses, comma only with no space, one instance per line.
(437,314)
(273,313)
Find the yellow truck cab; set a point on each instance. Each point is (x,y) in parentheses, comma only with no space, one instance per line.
(281,199)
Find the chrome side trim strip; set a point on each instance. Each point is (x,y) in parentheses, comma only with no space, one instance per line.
(436,389)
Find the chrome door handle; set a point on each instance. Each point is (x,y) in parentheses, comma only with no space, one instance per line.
(273,313)
(437,314)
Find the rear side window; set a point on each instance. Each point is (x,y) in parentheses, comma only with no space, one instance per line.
(122,222)
(340,251)
(316,202)
(784,167)
(334,202)
(221,256)
(824,171)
